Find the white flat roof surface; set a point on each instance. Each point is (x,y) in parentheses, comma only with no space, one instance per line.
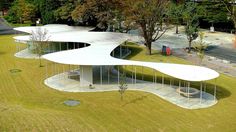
(101,46)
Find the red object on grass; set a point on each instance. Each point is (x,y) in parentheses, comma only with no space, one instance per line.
(168,51)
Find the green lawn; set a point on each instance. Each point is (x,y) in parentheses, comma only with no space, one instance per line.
(26,104)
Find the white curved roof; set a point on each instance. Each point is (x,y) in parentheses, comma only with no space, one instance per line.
(101,46)
(53,28)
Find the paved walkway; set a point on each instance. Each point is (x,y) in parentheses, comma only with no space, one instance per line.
(26,54)
(220,65)
(61,82)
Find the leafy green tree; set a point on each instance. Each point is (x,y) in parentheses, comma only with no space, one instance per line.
(4,5)
(100,11)
(175,15)
(149,15)
(215,12)
(46,9)
(64,12)
(20,11)
(200,47)
(191,16)
(231,8)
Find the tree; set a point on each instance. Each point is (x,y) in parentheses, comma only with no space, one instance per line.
(200,47)
(215,12)
(191,16)
(231,8)
(20,11)
(175,14)
(4,5)
(149,15)
(39,38)
(100,12)
(63,13)
(123,86)
(46,10)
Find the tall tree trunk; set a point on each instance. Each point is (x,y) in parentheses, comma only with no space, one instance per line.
(40,62)
(177,29)
(189,45)
(149,48)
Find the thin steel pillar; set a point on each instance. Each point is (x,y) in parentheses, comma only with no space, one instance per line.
(120,51)
(201,93)
(132,74)
(108,76)
(101,75)
(163,80)
(82,70)
(118,74)
(142,72)
(188,90)
(153,77)
(47,70)
(215,91)
(179,86)
(135,75)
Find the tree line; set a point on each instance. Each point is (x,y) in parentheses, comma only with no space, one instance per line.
(153,17)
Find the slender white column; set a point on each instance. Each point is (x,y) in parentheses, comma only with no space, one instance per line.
(142,72)
(120,51)
(135,75)
(179,86)
(153,77)
(205,87)
(132,74)
(201,93)
(163,80)
(47,70)
(55,71)
(64,72)
(215,91)
(188,90)
(101,75)
(108,76)
(118,74)
(82,74)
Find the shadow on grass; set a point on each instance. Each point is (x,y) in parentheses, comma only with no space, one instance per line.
(134,51)
(1,53)
(133,101)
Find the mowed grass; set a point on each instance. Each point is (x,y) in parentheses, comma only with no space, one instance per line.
(26,104)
